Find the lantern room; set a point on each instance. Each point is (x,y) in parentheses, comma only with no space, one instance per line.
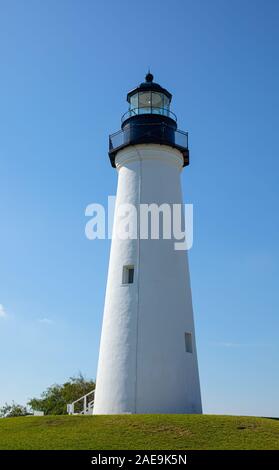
(149,120)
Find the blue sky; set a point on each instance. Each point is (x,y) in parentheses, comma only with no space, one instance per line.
(65,70)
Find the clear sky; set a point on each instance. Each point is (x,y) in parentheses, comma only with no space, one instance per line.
(66,67)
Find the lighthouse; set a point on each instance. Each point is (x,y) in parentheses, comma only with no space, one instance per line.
(148,358)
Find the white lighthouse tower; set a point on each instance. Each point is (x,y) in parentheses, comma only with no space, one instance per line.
(148,359)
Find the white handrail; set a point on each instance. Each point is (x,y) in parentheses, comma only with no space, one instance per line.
(86,406)
(84,396)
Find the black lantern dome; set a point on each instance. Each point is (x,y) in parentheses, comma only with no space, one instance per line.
(149,120)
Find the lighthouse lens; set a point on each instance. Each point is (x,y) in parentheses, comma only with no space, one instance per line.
(149,102)
(157,103)
(145,102)
(157,100)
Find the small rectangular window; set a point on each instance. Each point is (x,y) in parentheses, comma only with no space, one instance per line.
(128,275)
(188,342)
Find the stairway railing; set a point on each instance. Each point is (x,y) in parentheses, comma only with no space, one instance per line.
(87,405)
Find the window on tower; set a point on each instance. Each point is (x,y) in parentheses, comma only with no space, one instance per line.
(128,275)
(188,342)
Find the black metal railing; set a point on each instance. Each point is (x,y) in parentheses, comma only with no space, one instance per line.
(148,110)
(121,138)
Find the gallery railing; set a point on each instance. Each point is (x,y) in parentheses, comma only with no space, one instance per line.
(148,110)
(147,131)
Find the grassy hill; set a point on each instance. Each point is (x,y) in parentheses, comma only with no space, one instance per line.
(139,432)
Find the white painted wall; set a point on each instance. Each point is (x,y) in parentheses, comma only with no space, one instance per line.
(143,365)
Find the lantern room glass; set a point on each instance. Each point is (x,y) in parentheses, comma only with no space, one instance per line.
(144,102)
(147,102)
(134,103)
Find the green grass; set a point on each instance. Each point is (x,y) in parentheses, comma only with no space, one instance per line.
(139,432)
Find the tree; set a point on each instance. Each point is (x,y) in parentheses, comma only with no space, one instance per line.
(55,399)
(13,410)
